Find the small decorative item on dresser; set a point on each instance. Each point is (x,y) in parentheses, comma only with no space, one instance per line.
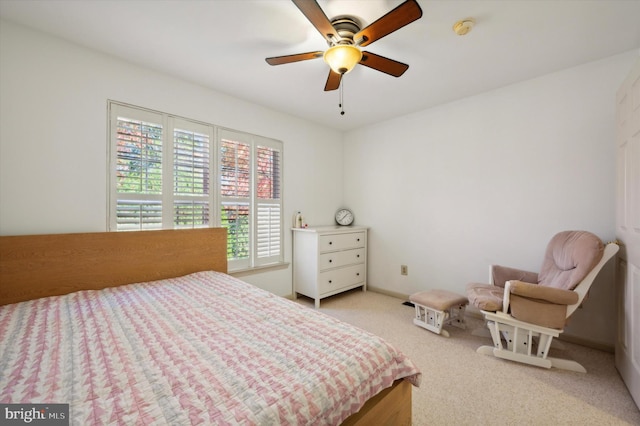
(344,217)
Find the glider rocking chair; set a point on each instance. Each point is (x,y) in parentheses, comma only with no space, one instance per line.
(524,310)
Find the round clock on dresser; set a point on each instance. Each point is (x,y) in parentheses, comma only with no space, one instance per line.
(344,217)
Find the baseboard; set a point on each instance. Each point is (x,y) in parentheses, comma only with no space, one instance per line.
(388,293)
(605,347)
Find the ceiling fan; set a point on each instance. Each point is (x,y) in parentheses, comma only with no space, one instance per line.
(345,37)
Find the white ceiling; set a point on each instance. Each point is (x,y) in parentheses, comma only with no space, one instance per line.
(222,44)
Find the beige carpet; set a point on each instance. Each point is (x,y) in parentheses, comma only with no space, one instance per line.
(462,387)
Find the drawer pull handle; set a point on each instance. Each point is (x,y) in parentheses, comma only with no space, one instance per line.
(330,260)
(330,281)
(357,274)
(330,242)
(358,239)
(357,255)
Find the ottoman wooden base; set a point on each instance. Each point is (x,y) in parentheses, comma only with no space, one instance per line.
(435,308)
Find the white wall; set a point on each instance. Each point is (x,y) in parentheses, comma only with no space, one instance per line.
(490,179)
(53,138)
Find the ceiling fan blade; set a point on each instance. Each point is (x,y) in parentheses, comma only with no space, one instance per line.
(279,60)
(312,10)
(402,15)
(333,81)
(386,65)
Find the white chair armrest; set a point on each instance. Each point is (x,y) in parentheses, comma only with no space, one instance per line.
(506,297)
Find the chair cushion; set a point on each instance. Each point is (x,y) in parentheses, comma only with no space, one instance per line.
(570,256)
(485,296)
(440,300)
(502,274)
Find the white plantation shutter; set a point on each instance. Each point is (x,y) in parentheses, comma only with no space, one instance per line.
(268,203)
(171,172)
(192,180)
(268,238)
(136,215)
(250,198)
(191,214)
(160,171)
(137,151)
(235,195)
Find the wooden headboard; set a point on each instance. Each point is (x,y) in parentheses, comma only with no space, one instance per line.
(34,266)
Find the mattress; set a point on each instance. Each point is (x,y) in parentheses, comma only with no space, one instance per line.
(205,348)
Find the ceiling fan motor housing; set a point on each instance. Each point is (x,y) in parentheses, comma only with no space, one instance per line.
(346,27)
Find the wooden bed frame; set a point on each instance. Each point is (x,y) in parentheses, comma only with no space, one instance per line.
(35,266)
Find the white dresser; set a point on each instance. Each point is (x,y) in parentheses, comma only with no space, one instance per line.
(328,260)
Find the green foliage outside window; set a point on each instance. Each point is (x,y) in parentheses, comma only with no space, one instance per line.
(236,220)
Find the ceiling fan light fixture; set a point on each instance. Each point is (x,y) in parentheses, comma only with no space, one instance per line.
(342,58)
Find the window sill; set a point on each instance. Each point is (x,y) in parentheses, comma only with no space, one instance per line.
(258,269)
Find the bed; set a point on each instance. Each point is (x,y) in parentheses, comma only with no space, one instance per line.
(147,328)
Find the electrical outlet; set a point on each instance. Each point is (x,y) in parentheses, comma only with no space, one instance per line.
(404,270)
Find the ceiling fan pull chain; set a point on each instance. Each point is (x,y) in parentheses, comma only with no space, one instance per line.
(341,104)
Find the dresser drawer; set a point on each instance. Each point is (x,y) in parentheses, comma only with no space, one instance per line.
(341,241)
(335,279)
(341,258)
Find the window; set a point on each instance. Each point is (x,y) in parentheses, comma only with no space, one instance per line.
(170,172)
(138,172)
(250,197)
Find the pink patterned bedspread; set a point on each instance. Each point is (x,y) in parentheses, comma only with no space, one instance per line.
(206,348)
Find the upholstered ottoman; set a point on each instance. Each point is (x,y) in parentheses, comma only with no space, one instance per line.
(435,308)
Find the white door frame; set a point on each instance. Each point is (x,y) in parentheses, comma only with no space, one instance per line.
(628,231)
